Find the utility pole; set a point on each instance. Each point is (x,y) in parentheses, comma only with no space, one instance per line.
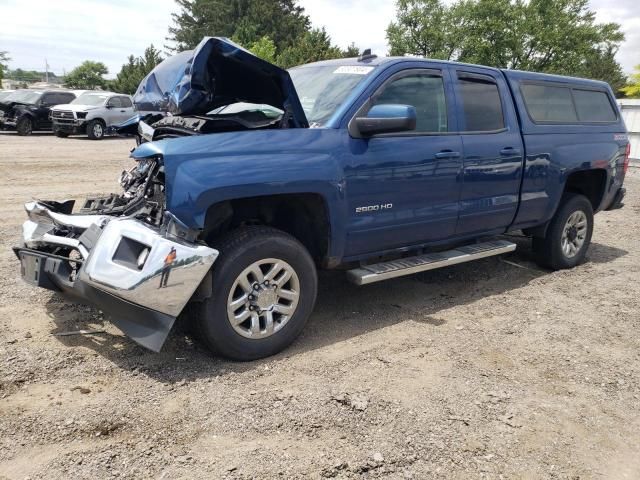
(46,69)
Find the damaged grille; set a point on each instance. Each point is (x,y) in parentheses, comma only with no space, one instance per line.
(143,197)
(62,116)
(53,229)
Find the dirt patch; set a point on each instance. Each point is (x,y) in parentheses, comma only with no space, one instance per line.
(484,370)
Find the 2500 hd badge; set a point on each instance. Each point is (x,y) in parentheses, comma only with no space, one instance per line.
(374,208)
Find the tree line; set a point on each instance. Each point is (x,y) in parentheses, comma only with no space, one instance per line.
(90,74)
(551,36)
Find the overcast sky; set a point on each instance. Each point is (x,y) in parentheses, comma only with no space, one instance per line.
(66,32)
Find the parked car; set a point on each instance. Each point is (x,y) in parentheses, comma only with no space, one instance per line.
(8,101)
(381,166)
(28,110)
(92,113)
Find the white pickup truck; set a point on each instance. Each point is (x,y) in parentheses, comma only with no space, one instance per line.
(92,113)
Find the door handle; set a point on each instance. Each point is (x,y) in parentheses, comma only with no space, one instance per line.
(509,151)
(447,154)
(122,111)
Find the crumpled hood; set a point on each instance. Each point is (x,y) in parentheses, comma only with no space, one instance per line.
(7,106)
(18,108)
(218,72)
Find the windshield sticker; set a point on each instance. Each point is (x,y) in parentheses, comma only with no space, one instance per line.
(354,70)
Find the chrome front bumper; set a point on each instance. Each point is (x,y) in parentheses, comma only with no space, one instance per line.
(68,122)
(111,249)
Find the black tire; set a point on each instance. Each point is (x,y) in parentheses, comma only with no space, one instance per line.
(548,251)
(238,250)
(24,126)
(95,129)
(61,134)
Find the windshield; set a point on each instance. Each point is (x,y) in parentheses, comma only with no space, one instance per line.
(322,89)
(93,99)
(23,96)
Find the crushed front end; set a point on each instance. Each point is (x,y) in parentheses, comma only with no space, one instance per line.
(122,253)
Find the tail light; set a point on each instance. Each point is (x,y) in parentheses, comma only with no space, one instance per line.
(627,154)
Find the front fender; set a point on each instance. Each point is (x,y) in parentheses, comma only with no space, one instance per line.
(19,113)
(207,169)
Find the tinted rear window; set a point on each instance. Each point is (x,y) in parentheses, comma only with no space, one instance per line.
(481,104)
(593,106)
(546,103)
(558,104)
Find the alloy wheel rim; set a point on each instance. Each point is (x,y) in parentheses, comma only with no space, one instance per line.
(574,234)
(97,130)
(263,298)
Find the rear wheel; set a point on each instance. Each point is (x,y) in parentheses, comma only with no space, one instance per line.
(264,289)
(568,236)
(95,130)
(24,126)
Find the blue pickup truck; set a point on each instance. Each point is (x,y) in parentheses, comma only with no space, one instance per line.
(382,167)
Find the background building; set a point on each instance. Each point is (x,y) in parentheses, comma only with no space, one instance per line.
(631,114)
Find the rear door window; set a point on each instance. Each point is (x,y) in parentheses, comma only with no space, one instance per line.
(481,103)
(594,106)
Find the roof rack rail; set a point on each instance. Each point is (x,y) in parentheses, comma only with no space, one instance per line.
(366,55)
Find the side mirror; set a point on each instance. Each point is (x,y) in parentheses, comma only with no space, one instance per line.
(109,107)
(387,119)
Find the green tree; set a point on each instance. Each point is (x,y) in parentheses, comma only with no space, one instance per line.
(134,71)
(27,76)
(265,49)
(423,27)
(314,46)
(632,90)
(4,58)
(351,51)
(558,36)
(601,64)
(247,21)
(88,75)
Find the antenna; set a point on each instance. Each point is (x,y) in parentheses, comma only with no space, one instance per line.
(366,55)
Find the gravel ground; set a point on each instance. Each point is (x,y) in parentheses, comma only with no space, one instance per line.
(484,370)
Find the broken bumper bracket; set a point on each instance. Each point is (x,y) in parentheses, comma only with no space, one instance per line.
(123,271)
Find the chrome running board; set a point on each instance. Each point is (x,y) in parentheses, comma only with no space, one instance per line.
(407,266)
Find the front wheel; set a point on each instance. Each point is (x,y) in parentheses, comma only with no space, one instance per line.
(24,126)
(568,236)
(95,130)
(264,290)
